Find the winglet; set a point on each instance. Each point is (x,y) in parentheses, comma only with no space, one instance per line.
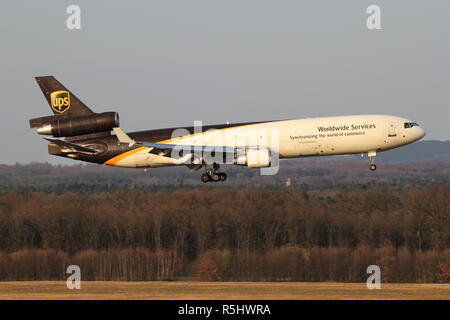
(123,137)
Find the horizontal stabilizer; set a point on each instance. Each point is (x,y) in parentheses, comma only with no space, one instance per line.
(68,147)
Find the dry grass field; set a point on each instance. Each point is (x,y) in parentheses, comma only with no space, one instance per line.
(218,290)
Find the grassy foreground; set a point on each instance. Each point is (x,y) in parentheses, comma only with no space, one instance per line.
(218,290)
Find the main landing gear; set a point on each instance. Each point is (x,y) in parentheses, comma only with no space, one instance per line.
(372,155)
(212,175)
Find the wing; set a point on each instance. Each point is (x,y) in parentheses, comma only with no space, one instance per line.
(169,150)
(123,137)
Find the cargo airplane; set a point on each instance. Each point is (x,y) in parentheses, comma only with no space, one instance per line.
(88,137)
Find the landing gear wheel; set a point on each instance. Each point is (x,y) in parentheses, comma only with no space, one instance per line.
(205,178)
(212,174)
(372,155)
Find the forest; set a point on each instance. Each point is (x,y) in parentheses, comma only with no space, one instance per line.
(321,174)
(228,233)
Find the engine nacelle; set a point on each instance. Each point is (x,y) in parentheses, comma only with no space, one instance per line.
(259,158)
(81,125)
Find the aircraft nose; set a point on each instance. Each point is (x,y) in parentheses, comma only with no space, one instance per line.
(422,133)
(419,134)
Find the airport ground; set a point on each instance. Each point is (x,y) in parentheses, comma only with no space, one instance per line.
(199,290)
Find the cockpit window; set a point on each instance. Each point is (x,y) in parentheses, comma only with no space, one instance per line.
(411,124)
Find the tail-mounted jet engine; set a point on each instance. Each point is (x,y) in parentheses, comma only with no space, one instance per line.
(74,126)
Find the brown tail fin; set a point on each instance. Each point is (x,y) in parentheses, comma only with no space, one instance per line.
(61,100)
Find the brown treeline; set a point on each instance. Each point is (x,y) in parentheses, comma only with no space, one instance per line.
(282,264)
(252,234)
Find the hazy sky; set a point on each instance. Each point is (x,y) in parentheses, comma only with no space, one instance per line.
(169,62)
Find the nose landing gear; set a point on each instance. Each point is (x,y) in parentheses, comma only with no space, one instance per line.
(372,155)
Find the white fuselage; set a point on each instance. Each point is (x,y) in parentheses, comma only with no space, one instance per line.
(297,138)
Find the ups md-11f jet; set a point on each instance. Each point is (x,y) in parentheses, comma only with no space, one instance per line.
(88,137)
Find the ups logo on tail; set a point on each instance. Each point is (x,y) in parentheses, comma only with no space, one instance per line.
(60,101)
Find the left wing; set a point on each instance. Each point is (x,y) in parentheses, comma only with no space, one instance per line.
(169,150)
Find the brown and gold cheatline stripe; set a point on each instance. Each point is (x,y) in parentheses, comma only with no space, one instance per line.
(116,159)
(121,156)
